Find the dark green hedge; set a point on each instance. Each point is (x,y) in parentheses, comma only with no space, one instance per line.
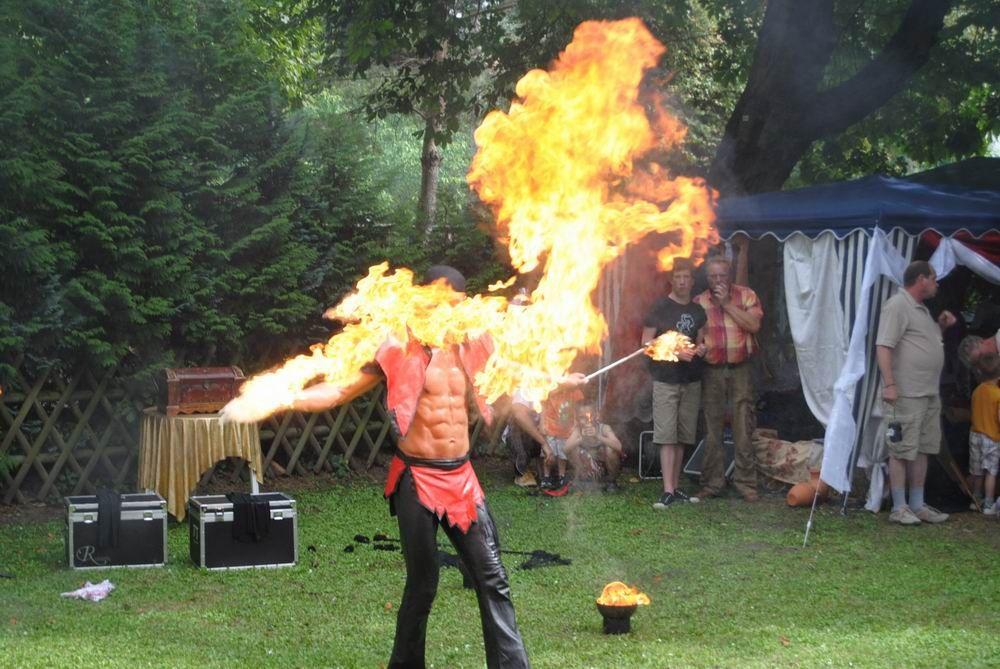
(160,203)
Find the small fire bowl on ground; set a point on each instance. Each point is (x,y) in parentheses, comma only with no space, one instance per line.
(617,619)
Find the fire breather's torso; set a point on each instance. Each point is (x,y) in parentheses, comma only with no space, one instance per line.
(440,428)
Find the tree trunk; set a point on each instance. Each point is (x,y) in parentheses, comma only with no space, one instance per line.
(430,171)
(783,109)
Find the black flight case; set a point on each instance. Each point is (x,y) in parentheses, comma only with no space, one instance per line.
(142,532)
(213,546)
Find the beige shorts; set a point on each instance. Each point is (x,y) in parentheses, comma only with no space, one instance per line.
(675,412)
(920,420)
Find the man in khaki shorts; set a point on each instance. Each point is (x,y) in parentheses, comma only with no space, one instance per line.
(676,385)
(910,357)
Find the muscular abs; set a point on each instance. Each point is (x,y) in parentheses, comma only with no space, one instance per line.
(440,428)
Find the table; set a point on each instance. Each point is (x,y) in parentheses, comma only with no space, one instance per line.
(174,451)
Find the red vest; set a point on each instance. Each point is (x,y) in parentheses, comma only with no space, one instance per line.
(405,369)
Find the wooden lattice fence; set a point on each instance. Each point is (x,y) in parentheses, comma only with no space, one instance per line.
(66,434)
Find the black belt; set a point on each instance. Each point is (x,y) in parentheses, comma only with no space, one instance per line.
(433,463)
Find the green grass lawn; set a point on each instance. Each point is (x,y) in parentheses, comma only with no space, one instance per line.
(730,587)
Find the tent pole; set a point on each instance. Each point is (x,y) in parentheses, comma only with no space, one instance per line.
(812,512)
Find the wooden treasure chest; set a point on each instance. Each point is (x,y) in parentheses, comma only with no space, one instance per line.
(198,389)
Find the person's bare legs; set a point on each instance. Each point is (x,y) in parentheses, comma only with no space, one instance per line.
(612,463)
(897,481)
(917,471)
(678,462)
(916,474)
(572,449)
(990,483)
(669,462)
(976,485)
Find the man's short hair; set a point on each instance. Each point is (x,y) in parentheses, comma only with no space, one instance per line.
(915,270)
(451,275)
(682,265)
(988,366)
(719,260)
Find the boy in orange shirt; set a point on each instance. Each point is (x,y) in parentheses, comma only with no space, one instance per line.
(558,421)
(984,436)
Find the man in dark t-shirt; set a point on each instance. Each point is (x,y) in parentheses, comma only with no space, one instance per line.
(676,385)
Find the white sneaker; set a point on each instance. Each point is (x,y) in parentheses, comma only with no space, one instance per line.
(928,514)
(903,516)
(993,510)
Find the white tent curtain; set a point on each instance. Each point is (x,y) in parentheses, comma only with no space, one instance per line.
(951,252)
(812,272)
(841,432)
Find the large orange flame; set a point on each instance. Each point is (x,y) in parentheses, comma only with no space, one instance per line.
(617,593)
(568,176)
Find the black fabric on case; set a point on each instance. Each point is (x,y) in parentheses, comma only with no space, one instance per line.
(109,515)
(251,517)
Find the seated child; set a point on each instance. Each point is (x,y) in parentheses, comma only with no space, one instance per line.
(593,448)
(558,421)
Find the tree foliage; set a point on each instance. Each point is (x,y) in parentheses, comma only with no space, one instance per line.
(938,108)
(158,202)
(429,58)
(950,109)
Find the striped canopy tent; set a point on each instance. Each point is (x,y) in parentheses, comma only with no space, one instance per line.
(845,246)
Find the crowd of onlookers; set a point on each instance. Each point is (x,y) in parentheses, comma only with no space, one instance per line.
(721,323)
(715,371)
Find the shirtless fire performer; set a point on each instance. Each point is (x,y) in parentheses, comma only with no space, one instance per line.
(431,482)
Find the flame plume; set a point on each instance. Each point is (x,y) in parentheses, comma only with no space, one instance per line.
(666,346)
(617,593)
(567,174)
(559,170)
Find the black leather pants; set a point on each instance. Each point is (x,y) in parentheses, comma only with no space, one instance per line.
(479,550)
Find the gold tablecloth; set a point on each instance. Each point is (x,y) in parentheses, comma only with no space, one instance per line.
(174,451)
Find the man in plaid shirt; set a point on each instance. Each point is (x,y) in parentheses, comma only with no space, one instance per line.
(734,317)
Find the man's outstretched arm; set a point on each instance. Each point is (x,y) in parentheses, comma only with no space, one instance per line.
(244,409)
(323,396)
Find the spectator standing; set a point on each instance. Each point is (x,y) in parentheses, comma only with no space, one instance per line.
(984,436)
(734,317)
(676,385)
(910,353)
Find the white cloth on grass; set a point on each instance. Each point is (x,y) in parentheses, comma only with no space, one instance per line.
(92,592)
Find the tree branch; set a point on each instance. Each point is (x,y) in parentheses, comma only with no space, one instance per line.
(906,52)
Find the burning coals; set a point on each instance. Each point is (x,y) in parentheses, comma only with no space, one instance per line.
(617,603)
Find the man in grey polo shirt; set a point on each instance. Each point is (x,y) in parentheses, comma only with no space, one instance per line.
(910,357)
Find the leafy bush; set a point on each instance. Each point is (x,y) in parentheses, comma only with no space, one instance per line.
(160,203)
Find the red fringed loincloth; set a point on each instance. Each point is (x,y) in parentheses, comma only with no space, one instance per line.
(454,493)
